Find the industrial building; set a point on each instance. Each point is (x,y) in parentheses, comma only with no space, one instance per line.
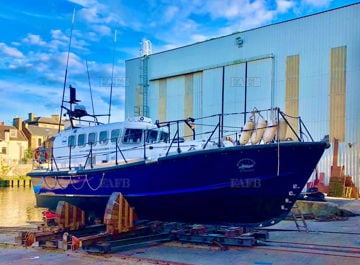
(308,67)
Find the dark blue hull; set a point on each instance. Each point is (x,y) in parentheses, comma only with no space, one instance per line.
(252,185)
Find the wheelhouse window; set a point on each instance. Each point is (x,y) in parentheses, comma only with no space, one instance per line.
(92,138)
(103,137)
(81,139)
(164,137)
(151,136)
(115,134)
(72,141)
(133,136)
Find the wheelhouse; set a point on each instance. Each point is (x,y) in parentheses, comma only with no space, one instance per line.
(86,137)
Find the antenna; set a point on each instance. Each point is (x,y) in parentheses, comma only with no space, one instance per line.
(66,69)
(112,76)
(91,96)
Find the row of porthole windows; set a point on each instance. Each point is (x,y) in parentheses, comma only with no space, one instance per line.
(81,141)
(130,136)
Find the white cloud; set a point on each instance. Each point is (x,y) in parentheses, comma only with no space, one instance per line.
(84,3)
(226,17)
(170,14)
(57,34)
(199,37)
(75,62)
(102,30)
(317,3)
(29,97)
(34,40)
(233,9)
(10,51)
(89,14)
(283,6)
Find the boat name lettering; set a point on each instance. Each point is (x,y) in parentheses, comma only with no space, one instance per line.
(246,165)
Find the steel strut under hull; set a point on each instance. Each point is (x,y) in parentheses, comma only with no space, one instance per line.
(251,185)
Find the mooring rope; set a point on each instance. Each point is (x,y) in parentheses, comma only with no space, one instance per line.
(77,188)
(101,181)
(58,182)
(47,184)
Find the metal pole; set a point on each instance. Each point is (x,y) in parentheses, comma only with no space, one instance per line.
(222,103)
(66,69)
(272,82)
(245,88)
(112,77)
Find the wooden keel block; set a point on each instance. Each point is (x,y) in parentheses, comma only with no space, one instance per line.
(69,217)
(119,215)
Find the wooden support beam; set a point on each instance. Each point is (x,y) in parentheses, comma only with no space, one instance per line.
(28,238)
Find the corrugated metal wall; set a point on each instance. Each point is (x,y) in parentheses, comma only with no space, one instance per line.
(188,102)
(139,100)
(162,105)
(337,93)
(292,92)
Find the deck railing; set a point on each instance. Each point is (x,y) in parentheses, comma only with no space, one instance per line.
(222,126)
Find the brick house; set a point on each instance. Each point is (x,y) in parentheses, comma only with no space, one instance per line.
(13,144)
(38,130)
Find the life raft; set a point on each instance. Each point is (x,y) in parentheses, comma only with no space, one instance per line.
(41,155)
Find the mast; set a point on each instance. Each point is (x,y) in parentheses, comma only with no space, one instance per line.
(91,95)
(112,77)
(66,70)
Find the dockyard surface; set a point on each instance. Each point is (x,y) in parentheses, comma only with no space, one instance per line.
(330,240)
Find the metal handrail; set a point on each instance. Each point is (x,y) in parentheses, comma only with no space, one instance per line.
(276,113)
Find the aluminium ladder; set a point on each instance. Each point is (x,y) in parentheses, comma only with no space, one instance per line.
(299,219)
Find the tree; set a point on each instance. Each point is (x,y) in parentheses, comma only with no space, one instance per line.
(28,155)
(4,168)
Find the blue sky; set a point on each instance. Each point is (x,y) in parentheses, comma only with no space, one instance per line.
(35,39)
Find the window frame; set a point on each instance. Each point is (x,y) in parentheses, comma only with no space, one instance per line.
(102,140)
(153,140)
(73,143)
(164,137)
(93,143)
(131,138)
(83,143)
(115,138)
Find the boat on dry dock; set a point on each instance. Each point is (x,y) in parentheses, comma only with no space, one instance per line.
(223,172)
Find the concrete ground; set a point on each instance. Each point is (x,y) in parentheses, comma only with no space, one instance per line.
(285,245)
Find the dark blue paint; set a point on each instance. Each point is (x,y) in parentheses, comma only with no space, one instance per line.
(210,186)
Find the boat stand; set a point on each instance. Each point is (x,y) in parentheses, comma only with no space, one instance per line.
(121,231)
(67,218)
(222,236)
